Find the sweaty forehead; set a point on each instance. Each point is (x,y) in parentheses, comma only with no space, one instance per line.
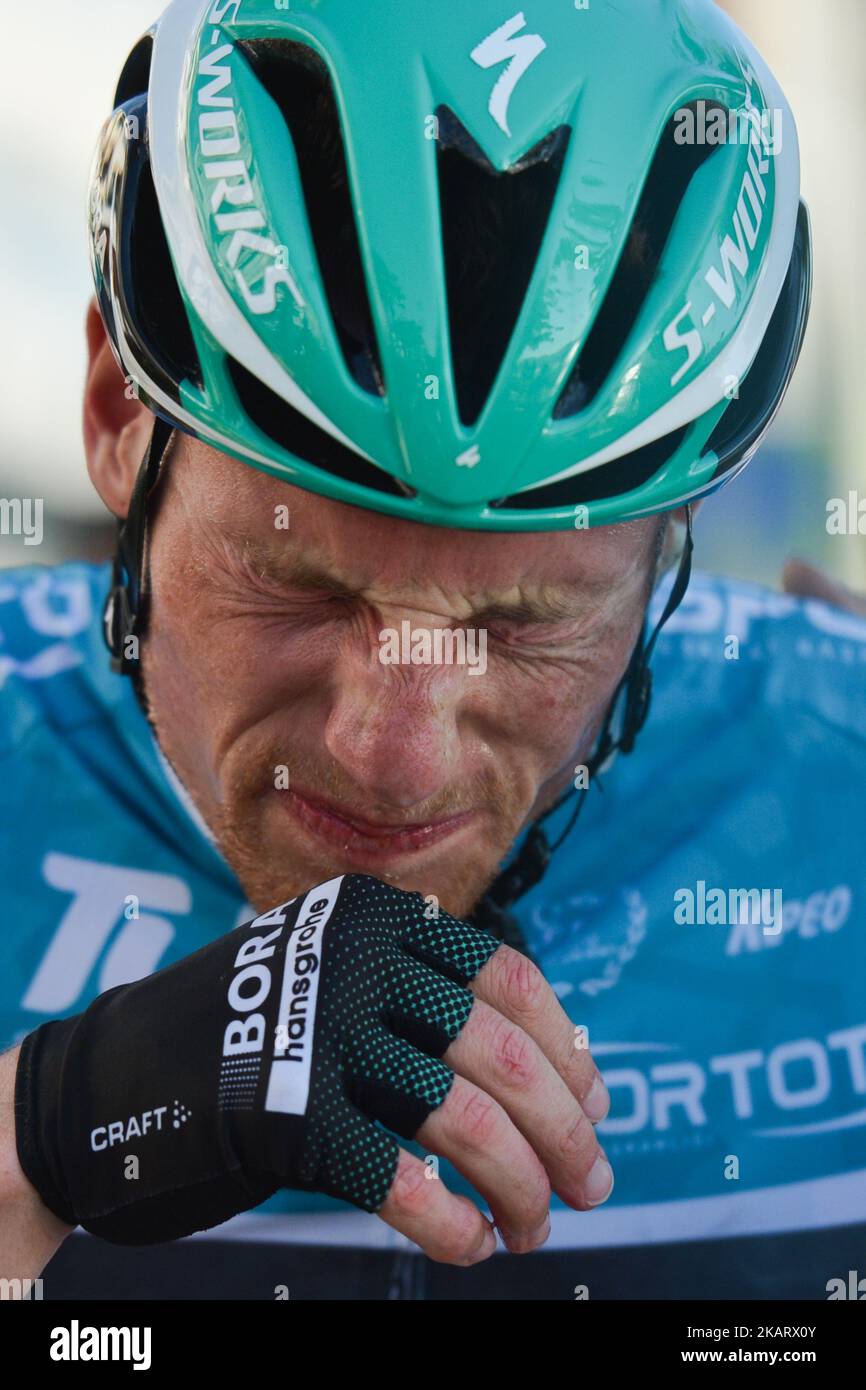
(361,551)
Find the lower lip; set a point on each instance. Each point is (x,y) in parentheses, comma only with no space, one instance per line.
(363,844)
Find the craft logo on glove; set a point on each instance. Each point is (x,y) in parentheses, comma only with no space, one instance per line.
(121,1131)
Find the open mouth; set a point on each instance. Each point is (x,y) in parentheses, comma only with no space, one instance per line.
(367,839)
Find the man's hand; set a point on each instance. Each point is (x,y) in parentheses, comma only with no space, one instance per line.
(29,1233)
(805,581)
(265,1059)
(517,1122)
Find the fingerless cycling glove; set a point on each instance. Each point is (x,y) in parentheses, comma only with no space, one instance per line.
(264,1060)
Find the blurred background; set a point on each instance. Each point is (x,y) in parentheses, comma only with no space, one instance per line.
(56,89)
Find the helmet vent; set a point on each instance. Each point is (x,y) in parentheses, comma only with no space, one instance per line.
(291,430)
(749,416)
(155,311)
(134,80)
(672,170)
(298,81)
(492,227)
(614,479)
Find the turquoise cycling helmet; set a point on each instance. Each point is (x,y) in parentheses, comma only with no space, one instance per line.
(466,266)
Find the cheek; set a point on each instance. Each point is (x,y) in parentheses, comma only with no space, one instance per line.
(226,672)
(548,707)
(532,714)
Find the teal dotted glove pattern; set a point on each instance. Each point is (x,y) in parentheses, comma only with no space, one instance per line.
(279,1055)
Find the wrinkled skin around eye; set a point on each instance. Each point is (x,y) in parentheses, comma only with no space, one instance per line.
(249,671)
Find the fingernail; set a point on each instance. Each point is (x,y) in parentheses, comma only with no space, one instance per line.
(599,1184)
(541,1234)
(597,1103)
(486,1247)
(519,1244)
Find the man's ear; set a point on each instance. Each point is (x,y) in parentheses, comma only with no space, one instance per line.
(680,514)
(674,538)
(117,427)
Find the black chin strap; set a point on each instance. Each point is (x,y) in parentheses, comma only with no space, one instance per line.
(124,616)
(530,863)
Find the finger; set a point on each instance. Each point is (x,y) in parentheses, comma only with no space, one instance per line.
(505,1063)
(804,580)
(512,985)
(449,1229)
(473,1131)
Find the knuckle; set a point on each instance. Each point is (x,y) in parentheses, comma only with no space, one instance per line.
(568,1062)
(523,984)
(579,1072)
(578,1142)
(458,1243)
(513,1055)
(536,1194)
(475,1115)
(410,1190)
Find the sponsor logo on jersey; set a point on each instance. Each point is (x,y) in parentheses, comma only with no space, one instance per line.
(577,955)
(52,605)
(115,922)
(736,610)
(819,914)
(779,1092)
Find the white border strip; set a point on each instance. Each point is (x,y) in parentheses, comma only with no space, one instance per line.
(802,1206)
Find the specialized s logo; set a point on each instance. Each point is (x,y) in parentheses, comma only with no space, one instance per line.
(502,46)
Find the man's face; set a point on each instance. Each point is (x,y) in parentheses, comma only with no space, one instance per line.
(262,665)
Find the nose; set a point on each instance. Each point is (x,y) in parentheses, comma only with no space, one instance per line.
(394,729)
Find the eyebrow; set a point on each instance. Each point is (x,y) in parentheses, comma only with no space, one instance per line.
(300,572)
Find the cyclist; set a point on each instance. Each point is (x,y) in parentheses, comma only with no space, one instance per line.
(487,318)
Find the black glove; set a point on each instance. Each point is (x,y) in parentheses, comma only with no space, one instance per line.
(262,1061)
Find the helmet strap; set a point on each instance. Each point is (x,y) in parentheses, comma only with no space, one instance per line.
(530,863)
(124,617)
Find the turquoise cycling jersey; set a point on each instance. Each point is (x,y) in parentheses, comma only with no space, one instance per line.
(706,922)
